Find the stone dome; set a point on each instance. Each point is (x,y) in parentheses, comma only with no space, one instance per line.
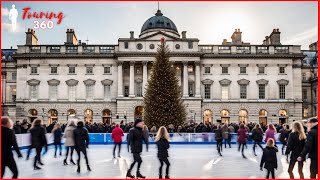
(159,22)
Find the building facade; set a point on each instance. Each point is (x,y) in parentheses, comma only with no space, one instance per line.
(230,82)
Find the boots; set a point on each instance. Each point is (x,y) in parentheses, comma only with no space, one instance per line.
(36,168)
(160,176)
(244,156)
(140,175)
(65,162)
(71,161)
(167,177)
(129,175)
(78,170)
(88,168)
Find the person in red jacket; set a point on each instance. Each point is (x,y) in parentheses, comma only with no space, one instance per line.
(242,138)
(117,134)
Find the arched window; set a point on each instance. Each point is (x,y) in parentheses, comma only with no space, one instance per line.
(243,116)
(207,116)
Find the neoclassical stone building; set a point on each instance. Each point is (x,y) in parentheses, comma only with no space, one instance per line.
(229,82)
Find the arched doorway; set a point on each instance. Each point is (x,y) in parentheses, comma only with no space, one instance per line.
(33,114)
(106,116)
(88,115)
(225,116)
(207,116)
(243,116)
(283,115)
(263,114)
(138,112)
(52,116)
(71,112)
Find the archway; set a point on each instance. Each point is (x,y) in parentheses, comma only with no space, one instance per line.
(283,116)
(225,116)
(263,114)
(207,116)
(33,114)
(52,116)
(106,116)
(138,112)
(88,115)
(71,112)
(243,116)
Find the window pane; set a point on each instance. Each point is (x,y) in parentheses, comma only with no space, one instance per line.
(33,92)
(282,91)
(34,70)
(224,92)
(53,91)
(243,70)
(207,91)
(89,70)
(243,91)
(281,70)
(107,70)
(14,76)
(107,91)
(262,89)
(72,70)
(89,91)
(207,70)
(224,70)
(72,93)
(261,70)
(54,70)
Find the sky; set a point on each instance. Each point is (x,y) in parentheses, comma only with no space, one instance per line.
(210,22)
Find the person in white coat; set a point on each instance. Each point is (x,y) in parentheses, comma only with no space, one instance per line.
(69,140)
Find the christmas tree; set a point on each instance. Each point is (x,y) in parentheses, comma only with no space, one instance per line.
(162,99)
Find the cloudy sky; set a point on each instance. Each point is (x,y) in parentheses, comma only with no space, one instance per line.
(211,22)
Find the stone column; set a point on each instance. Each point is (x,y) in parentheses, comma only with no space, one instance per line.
(198,93)
(145,76)
(120,79)
(185,79)
(131,87)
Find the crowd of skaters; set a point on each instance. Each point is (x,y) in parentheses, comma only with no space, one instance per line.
(297,144)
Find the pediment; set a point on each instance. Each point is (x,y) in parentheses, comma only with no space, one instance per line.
(158,35)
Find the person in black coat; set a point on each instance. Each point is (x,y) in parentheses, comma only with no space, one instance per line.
(135,138)
(257,136)
(162,141)
(296,142)
(284,135)
(38,140)
(218,138)
(57,135)
(269,158)
(7,142)
(81,139)
(311,147)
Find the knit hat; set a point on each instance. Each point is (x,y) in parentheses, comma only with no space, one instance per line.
(137,121)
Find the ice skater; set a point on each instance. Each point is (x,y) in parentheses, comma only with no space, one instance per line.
(7,142)
(162,140)
(269,158)
(135,138)
(218,138)
(284,135)
(116,135)
(57,134)
(242,139)
(69,141)
(257,136)
(81,139)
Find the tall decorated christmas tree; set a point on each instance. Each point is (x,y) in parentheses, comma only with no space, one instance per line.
(162,98)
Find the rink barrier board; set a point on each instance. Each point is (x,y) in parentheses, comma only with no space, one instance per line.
(24,140)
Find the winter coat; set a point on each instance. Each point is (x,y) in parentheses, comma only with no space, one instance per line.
(117,134)
(270,133)
(163,146)
(68,134)
(81,138)
(38,136)
(57,134)
(135,138)
(311,146)
(294,145)
(257,135)
(242,135)
(8,140)
(218,134)
(231,129)
(284,134)
(225,132)
(269,158)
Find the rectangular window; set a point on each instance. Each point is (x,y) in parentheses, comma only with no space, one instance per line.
(191,90)
(126,91)
(89,70)
(89,91)
(33,92)
(72,93)
(106,49)
(139,89)
(224,92)
(72,70)
(14,76)
(243,70)
(14,97)
(107,91)
(304,94)
(304,78)
(55,49)
(190,69)
(126,45)
(54,70)
(34,70)
(207,91)
(107,70)
(190,44)
(281,70)
(261,70)
(89,49)
(138,70)
(207,70)
(282,91)
(53,92)
(72,49)
(225,70)
(262,91)
(243,91)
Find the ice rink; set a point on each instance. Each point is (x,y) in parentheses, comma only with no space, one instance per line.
(187,161)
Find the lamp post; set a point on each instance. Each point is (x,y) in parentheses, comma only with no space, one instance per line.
(125,116)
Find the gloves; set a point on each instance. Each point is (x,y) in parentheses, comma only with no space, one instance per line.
(300,158)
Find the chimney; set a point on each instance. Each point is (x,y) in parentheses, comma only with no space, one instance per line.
(236,37)
(224,42)
(275,37)
(267,40)
(71,37)
(183,34)
(131,34)
(31,38)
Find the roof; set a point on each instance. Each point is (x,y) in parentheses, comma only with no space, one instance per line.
(311,58)
(7,54)
(159,22)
